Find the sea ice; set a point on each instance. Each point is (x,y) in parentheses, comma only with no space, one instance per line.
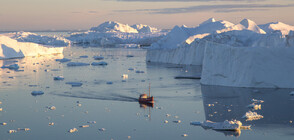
(249,116)
(58,78)
(74,84)
(36,93)
(98,57)
(11,67)
(71,64)
(73,130)
(63,60)
(102,63)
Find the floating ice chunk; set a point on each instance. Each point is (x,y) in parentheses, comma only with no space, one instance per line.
(71,64)
(167,115)
(129,137)
(130,55)
(52,107)
(23,129)
(102,129)
(292,93)
(4,123)
(63,60)
(184,135)
(98,57)
(123,80)
(131,69)
(51,123)
(36,93)
(91,122)
(177,121)
(74,84)
(102,63)
(84,126)
(1,109)
(84,56)
(109,83)
(196,123)
(165,121)
(73,130)
(257,101)
(139,71)
(79,105)
(254,106)
(58,78)
(11,67)
(12,131)
(226,125)
(249,116)
(125,76)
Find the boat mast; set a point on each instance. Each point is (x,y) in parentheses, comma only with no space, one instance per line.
(149,90)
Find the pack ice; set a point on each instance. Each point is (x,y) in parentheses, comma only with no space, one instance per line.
(241,55)
(111,33)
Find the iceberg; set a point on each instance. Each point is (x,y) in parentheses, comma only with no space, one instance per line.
(39,39)
(113,33)
(277,26)
(11,48)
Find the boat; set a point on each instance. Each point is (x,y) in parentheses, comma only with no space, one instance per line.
(144,98)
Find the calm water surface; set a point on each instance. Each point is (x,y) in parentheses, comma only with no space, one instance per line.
(115,107)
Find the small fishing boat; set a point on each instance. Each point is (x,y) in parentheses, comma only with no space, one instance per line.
(144,98)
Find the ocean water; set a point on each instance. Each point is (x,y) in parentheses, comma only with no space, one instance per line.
(115,108)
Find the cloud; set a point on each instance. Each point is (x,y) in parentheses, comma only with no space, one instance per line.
(214,8)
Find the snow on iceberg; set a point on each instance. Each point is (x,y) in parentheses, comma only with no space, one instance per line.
(11,48)
(277,26)
(186,45)
(39,39)
(114,33)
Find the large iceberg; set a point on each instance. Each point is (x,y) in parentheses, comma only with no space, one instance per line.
(277,26)
(262,63)
(112,33)
(39,39)
(11,48)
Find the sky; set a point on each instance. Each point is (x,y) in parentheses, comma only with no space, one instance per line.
(33,15)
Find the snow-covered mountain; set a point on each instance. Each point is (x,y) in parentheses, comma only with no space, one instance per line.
(277,26)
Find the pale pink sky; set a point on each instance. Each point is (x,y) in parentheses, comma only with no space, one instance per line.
(82,14)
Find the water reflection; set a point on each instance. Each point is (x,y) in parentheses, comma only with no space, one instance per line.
(227,103)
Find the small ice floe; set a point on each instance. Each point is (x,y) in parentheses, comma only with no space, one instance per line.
(4,123)
(123,80)
(36,93)
(58,78)
(102,63)
(63,60)
(12,131)
(23,129)
(167,115)
(130,55)
(91,122)
(125,76)
(51,107)
(84,126)
(109,83)
(84,56)
(46,70)
(165,121)
(176,117)
(72,130)
(102,129)
(250,116)
(98,57)
(72,64)
(131,69)
(140,71)
(184,135)
(79,105)
(1,109)
(254,106)
(177,121)
(129,137)
(223,126)
(51,123)
(257,101)
(74,84)
(11,67)
(292,93)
